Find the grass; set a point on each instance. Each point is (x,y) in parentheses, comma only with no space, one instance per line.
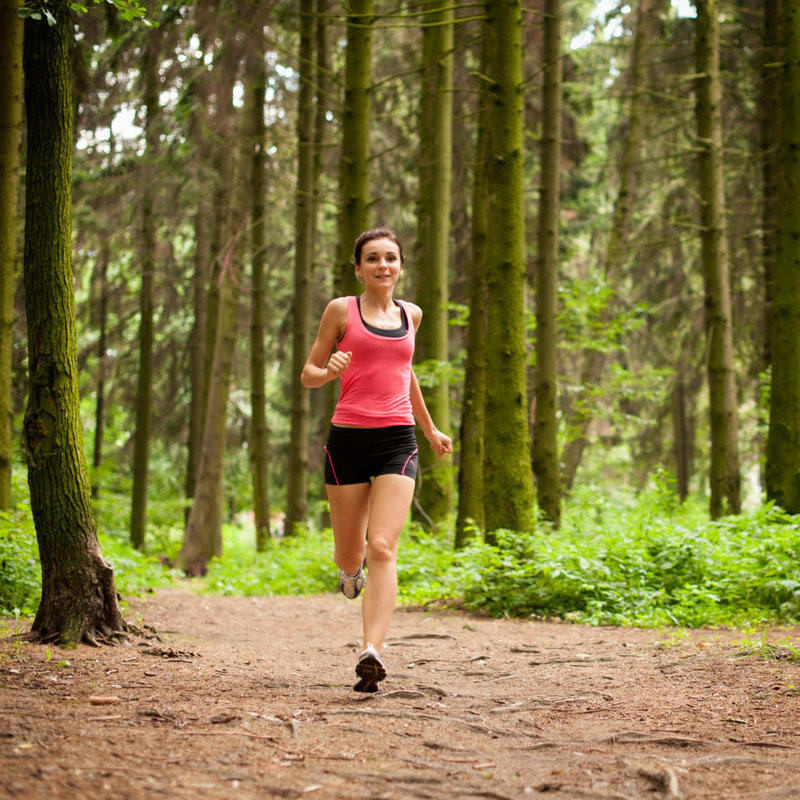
(649,562)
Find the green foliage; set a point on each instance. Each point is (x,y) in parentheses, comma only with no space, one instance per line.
(129,10)
(637,567)
(20,576)
(300,564)
(20,573)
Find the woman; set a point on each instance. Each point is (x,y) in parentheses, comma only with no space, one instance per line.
(367,342)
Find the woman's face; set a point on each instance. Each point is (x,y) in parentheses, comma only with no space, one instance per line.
(380,265)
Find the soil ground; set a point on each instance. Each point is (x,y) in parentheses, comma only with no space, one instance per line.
(252,698)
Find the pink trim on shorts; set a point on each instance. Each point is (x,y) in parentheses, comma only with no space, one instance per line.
(403,471)
(330,461)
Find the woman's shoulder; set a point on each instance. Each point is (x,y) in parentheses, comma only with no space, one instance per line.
(414,310)
(337,307)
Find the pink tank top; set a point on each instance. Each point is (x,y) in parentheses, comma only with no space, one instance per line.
(375,387)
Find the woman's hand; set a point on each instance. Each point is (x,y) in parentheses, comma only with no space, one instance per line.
(440,442)
(337,364)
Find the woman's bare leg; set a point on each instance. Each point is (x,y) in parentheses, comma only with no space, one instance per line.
(349,507)
(389,503)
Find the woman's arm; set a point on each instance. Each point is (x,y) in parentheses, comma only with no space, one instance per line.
(319,369)
(440,442)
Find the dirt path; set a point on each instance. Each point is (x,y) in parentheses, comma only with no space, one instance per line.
(251,698)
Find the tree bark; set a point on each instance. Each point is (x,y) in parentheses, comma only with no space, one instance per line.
(434,499)
(509,500)
(297,488)
(144,393)
(355,122)
(724,471)
(79,599)
(258,322)
(545,431)
(471,518)
(203,537)
(783,440)
(101,295)
(10,133)
(435,483)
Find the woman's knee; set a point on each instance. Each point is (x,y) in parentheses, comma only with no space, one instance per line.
(381,551)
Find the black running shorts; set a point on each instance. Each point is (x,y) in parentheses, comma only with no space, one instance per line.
(357,455)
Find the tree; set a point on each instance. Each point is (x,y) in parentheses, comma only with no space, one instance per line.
(783,440)
(258,320)
(101,294)
(141,449)
(10,130)
(582,409)
(355,122)
(435,496)
(471,513)
(203,535)
(508,485)
(79,599)
(545,430)
(305,208)
(724,471)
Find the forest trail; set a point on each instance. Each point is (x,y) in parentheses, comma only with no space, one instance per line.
(252,698)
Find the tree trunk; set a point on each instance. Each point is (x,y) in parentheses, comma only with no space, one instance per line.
(101,294)
(768,104)
(141,449)
(355,124)
(297,488)
(545,432)
(203,536)
(198,133)
(10,130)
(258,322)
(783,440)
(581,411)
(509,500)
(724,471)
(471,518)
(435,492)
(79,599)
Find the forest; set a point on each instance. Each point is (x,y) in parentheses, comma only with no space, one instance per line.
(598,204)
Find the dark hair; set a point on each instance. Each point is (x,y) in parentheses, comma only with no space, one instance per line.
(377,233)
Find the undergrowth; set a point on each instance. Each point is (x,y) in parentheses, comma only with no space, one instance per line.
(650,563)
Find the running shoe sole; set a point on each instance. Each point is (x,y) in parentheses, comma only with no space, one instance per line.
(351,585)
(370,672)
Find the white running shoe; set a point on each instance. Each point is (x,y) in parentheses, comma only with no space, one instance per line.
(370,670)
(351,585)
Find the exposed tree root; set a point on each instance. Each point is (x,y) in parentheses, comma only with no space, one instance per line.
(665,781)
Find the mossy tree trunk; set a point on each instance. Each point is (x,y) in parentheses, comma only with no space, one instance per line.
(144,390)
(435,495)
(471,517)
(724,471)
(509,500)
(10,130)
(258,318)
(297,478)
(79,599)
(100,292)
(354,161)
(783,440)
(545,428)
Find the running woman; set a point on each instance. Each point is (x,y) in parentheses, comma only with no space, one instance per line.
(367,342)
